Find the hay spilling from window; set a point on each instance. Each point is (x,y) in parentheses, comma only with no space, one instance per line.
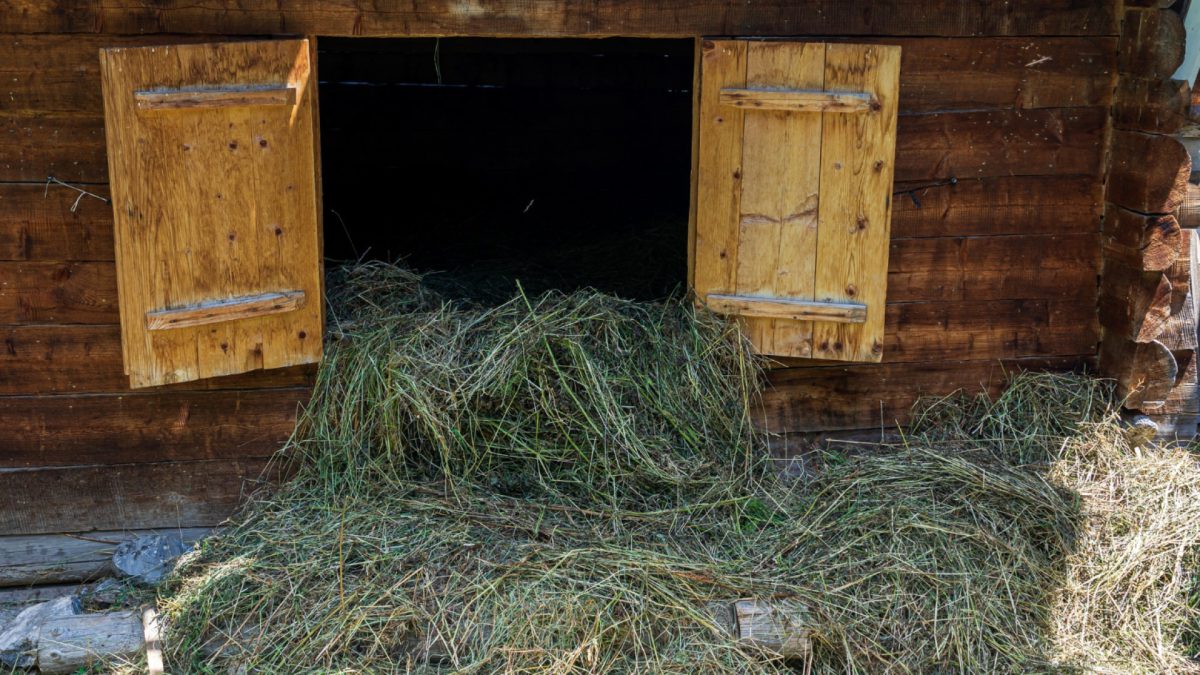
(564,483)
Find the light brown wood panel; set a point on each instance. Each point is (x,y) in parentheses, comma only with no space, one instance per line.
(781,182)
(124,497)
(1000,205)
(551,18)
(37,223)
(158,426)
(58,293)
(868,396)
(857,163)
(77,359)
(214,204)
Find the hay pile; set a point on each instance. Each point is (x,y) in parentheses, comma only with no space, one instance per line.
(562,483)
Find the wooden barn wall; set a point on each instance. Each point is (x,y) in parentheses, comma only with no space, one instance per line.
(995,274)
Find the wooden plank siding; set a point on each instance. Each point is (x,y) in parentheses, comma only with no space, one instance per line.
(996,273)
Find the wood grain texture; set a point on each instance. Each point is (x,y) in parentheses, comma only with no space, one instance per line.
(1153,105)
(60,558)
(1145,372)
(125,497)
(37,223)
(215,97)
(1178,332)
(1148,172)
(1134,305)
(69,146)
(868,396)
(555,18)
(1025,205)
(54,292)
(49,359)
(1152,43)
(780,308)
(160,426)
(796,100)
(1141,242)
(213,204)
(221,311)
(858,158)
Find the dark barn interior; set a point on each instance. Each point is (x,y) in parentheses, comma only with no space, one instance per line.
(562,163)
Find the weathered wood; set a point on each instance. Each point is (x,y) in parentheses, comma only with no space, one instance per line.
(78,359)
(1152,43)
(59,558)
(68,146)
(1188,211)
(1148,172)
(228,309)
(554,18)
(248,173)
(992,268)
(782,308)
(797,100)
(1154,105)
(220,97)
(870,396)
(778,626)
(1022,205)
(1134,305)
(1145,372)
(160,426)
(58,292)
(37,223)
(1141,242)
(124,497)
(71,643)
(1179,330)
(1001,143)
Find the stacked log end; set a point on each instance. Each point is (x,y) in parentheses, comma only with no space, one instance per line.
(1147,307)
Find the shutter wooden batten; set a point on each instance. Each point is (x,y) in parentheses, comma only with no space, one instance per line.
(794,178)
(212,156)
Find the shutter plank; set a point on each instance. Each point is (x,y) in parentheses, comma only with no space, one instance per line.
(777,223)
(719,168)
(856,182)
(213,204)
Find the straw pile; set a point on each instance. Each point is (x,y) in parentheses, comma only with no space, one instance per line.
(563,483)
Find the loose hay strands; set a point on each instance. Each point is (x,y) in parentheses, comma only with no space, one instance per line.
(563,483)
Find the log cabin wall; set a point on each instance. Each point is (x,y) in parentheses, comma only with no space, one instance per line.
(1147,305)
(997,273)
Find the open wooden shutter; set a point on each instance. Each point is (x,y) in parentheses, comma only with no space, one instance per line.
(793,204)
(213,170)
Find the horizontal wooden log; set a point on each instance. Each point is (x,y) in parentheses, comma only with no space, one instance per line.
(58,292)
(554,18)
(124,497)
(1141,242)
(1145,372)
(60,558)
(87,359)
(994,268)
(69,644)
(1153,105)
(1001,205)
(131,428)
(870,396)
(65,145)
(1148,172)
(37,223)
(1152,43)
(1006,143)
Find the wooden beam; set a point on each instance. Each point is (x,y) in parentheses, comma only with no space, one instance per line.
(231,309)
(223,97)
(784,308)
(59,558)
(1152,43)
(798,100)
(1148,172)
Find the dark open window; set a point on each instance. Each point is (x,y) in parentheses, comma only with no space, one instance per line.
(561,163)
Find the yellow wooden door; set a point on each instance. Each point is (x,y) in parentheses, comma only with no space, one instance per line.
(793,204)
(212,156)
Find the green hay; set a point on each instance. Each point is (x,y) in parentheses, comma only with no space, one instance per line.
(562,483)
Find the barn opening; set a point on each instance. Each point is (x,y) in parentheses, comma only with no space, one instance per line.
(558,163)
